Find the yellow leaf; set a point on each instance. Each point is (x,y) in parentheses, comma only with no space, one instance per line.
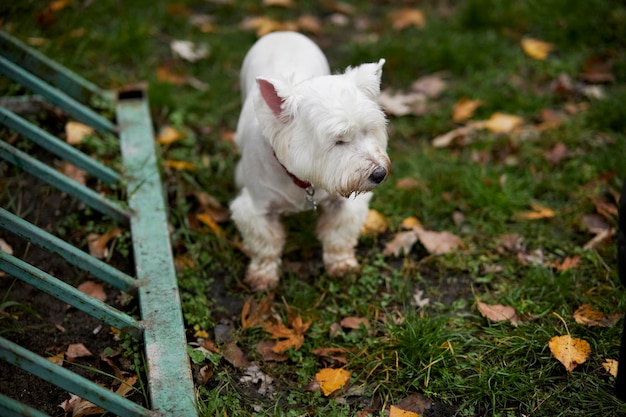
(278,3)
(375,223)
(208,220)
(169,135)
(403,18)
(587,316)
(503,123)
(411,223)
(536,49)
(332,380)
(464,109)
(264,25)
(75,132)
(539,212)
(570,351)
(57,359)
(398,412)
(610,365)
(201,333)
(180,165)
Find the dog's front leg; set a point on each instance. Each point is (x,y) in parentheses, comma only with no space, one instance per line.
(338,227)
(263,237)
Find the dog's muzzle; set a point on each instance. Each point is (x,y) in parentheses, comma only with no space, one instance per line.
(378,175)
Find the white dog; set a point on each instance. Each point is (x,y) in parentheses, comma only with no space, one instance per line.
(308,140)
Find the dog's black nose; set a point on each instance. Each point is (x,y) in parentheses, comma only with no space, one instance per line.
(378,175)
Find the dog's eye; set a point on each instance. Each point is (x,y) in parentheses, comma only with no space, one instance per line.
(340,139)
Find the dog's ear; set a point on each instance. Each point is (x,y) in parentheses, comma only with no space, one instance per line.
(270,95)
(367,77)
(279,96)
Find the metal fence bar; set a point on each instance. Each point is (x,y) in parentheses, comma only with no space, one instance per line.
(65,292)
(70,381)
(45,68)
(71,254)
(58,147)
(11,408)
(55,96)
(62,182)
(171,388)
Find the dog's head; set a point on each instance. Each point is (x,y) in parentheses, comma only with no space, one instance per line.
(328,130)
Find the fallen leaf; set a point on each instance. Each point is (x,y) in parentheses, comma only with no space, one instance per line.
(439,243)
(406,17)
(77,350)
(48,15)
(402,242)
(180,165)
(169,135)
(73,172)
(278,3)
(536,48)
(78,407)
(57,359)
(408,183)
(401,104)
(98,243)
(167,75)
(419,300)
(189,51)
(255,313)
(539,212)
(498,312)
(75,132)
(205,23)
(332,379)
(599,239)
(288,337)
(411,223)
(598,70)
(569,262)
(234,355)
(265,349)
(5,247)
(464,109)
(93,289)
(416,403)
(126,385)
(557,153)
(430,85)
(512,242)
(398,412)
(264,25)
(332,353)
(355,322)
(462,135)
(309,23)
(503,123)
(611,365)
(375,223)
(570,351)
(183,262)
(207,219)
(588,316)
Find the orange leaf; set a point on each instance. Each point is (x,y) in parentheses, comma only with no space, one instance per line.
(587,316)
(464,109)
(503,123)
(570,262)
(355,322)
(498,312)
(610,365)
(255,313)
(77,350)
(57,359)
(208,220)
(398,412)
(169,135)
(289,337)
(539,212)
(536,49)
(332,380)
(98,243)
(403,18)
(180,165)
(75,132)
(375,223)
(73,172)
(93,289)
(569,351)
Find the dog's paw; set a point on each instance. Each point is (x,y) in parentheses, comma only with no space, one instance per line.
(338,266)
(262,277)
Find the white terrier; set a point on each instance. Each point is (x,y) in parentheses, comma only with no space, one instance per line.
(308,140)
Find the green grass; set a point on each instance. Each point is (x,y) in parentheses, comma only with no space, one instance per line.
(447,351)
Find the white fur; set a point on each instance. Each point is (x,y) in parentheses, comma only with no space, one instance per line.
(324,129)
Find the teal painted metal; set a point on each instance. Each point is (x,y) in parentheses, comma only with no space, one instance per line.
(58,147)
(171,389)
(50,71)
(11,408)
(74,256)
(62,182)
(65,292)
(70,381)
(55,96)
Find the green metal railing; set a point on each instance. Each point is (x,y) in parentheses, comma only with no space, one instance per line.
(161,324)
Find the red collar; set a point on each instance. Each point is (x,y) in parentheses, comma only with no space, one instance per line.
(300,183)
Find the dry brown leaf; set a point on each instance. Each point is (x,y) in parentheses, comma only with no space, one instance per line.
(570,351)
(557,153)
(498,312)
(536,48)
(207,219)
(255,313)
(93,289)
(332,380)
(354,322)
(126,385)
(398,412)
(570,262)
(5,247)
(399,103)
(234,355)
(278,3)
(180,165)
(462,135)
(417,403)
(611,365)
(375,223)
(599,239)
(264,25)
(182,262)
(406,17)
(309,23)
(57,359)
(98,243)
(332,353)
(588,316)
(598,70)
(464,109)
(539,212)
(503,123)
(408,183)
(75,132)
(167,75)
(439,243)
(288,337)
(512,242)
(402,242)
(77,350)
(430,85)
(169,135)
(73,172)
(265,349)
(78,407)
